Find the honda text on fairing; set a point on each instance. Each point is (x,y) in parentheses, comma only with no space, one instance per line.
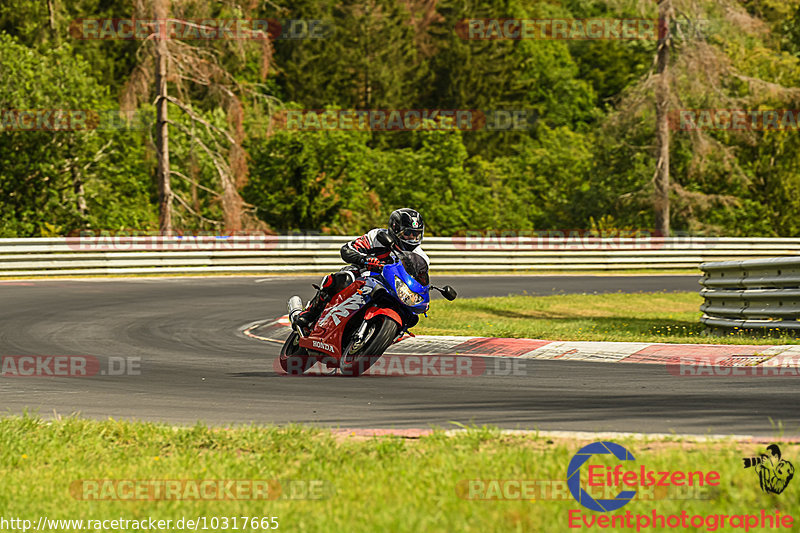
(363,320)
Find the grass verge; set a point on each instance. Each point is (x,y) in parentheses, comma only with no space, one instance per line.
(625,317)
(373,484)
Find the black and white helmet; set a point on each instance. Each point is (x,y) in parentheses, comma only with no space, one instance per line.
(406,228)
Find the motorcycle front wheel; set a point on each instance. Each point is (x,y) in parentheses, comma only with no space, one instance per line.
(295,360)
(382,331)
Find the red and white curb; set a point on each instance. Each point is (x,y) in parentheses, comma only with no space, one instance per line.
(688,359)
(718,355)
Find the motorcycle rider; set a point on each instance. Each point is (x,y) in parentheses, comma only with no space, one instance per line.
(405,231)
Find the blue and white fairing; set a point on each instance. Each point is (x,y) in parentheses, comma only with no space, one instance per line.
(404,286)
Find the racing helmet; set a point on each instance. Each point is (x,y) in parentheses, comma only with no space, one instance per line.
(406,228)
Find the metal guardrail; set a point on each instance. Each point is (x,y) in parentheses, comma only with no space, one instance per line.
(317,253)
(754,294)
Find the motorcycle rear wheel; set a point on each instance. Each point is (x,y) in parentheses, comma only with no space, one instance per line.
(384,333)
(295,360)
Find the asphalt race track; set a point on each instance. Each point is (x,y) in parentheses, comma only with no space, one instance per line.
(195,364)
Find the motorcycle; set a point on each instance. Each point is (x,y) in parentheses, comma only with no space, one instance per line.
(361,322)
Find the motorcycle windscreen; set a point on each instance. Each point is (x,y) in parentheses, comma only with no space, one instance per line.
(416,267)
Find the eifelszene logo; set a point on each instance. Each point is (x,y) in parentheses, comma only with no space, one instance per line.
(774,472)
(608,477)
(574,476)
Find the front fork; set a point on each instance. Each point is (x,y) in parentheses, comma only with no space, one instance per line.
(358,338)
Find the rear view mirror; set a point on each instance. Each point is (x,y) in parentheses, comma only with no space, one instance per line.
(449,292)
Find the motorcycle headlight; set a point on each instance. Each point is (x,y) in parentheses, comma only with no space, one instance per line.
(408,296)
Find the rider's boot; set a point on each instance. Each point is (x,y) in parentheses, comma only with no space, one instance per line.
(308,317)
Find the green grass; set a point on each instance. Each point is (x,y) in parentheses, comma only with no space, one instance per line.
(638,317)
(375,484)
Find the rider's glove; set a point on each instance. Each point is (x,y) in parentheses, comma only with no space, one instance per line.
(373,264)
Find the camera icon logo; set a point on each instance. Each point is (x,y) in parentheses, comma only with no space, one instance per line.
(774,472)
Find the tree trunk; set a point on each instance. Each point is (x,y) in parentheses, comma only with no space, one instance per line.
(162,132)
(80,193)
(661,199)
(51,12)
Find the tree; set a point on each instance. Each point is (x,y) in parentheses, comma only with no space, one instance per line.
(369,58)
(50,177)
(724,65)
(661,178)
(197,68)
(539,76)
(163,177)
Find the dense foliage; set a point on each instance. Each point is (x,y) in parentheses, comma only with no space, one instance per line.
(589,157)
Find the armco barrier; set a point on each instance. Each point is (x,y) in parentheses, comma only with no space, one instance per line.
(754,294)
(315,253)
